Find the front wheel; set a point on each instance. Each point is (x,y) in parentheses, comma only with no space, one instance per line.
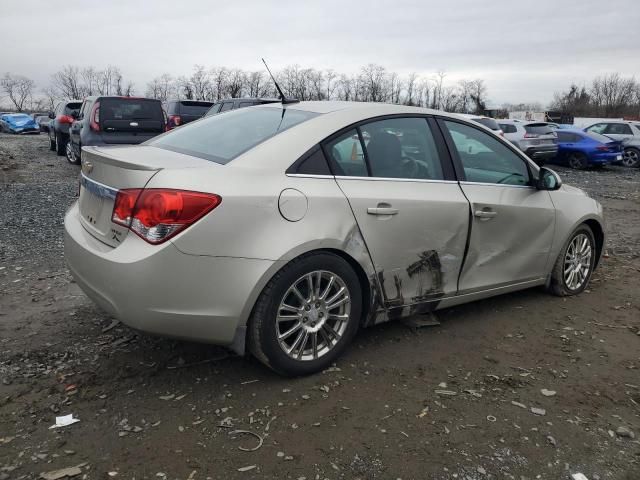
(574,266)
(631,157)
(306,315)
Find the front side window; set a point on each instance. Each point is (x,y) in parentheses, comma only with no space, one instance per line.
(346,155)
(485,159)
(597,128)
(221,138)
(402,148)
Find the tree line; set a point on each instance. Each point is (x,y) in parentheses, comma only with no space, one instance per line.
(611,95)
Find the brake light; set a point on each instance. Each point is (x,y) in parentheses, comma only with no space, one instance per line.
(602,148)
(157,214)
(174,121)
(65,119)
(95,117)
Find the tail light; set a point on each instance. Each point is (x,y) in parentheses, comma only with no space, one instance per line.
(157,214)
(604,148)
(174,121)
(65,119)
(95,117)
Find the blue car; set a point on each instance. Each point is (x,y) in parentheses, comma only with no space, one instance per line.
(579,149)
(18,123)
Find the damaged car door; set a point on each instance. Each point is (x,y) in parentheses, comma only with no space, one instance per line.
(512,221)
(412,213)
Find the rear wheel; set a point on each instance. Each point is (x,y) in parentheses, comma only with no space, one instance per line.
(71,155)
(574,266)
(306,315)
(631,157)
(578,161)
(61,144)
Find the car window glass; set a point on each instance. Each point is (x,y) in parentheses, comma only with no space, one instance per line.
(618,129)
(71,107)
(485,159)
(346,154)
(314,164)
(597,128)
(402,148)
(565,137)
(246,104)
(508,128)
(226,106)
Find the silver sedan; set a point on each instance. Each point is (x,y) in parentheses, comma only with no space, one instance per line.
(281,230)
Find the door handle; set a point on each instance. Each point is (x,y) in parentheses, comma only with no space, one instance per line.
(485,213)
(382,211)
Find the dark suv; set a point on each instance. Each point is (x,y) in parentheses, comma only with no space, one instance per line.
(233,103)
(180,112)
(62,118)
(114,121)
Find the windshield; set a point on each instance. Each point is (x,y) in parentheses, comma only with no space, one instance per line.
(487,122)
(221,138)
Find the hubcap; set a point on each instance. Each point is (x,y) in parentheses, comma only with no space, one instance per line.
(70,155)
(577,262)
(630,158)
(575,162)
(313,315)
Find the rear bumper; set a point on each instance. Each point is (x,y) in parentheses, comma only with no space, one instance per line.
(159,289)
(606,158)
(541,154)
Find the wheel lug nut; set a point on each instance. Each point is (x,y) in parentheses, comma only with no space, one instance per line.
(317,304)
(321,315)
(307,308)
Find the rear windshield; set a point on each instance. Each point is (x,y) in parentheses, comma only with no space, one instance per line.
(221,138)
(194,108)
(69,108)
(539,128)
(487,122)
(130,109)
(598,137)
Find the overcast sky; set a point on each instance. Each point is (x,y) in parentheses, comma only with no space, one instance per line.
(524,50)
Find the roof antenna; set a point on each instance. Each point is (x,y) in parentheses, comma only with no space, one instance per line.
(283,99)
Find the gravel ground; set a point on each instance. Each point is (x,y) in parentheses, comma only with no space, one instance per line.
(521,386)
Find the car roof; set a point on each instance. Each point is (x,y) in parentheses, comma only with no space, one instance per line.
(366,109)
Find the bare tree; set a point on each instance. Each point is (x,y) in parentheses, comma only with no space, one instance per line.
(50,97)
(18,88)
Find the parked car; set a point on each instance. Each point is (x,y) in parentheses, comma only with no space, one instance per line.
(20,123)
(631,154)
(180,112)
(488,122)
(265,229)
(579,149)
(43,122)
(620,130)
(235,103)
(61,119)
(537,139)
(114,121)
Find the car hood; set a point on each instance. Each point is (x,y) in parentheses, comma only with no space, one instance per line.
(573,190)
(20,122)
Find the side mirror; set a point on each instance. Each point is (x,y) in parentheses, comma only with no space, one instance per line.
(52,115)
(548,179)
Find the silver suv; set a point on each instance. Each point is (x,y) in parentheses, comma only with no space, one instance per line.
(537,139)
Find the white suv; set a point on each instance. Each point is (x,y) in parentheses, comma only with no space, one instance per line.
(537,139)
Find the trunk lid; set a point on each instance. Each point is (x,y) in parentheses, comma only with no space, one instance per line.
(105,170)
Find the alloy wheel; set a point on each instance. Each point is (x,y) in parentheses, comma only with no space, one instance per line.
(630,158)
(71,156)
(575,161)
(313,315)
(577,262)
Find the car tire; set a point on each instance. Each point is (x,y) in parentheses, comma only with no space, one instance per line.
(631,157)
(52,142)
(72,158)
(311,336)
(61,145)
(580,245)
(578,161)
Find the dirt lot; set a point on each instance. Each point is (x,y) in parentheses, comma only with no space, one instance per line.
(151,408)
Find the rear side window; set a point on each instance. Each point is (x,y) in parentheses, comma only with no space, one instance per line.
(618,129)
(312,163)
(194,108)
(402,148)
(214,109)
(508,128)
(221,138)
(346,155)
(566,137)
(539,129)
(485,159)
